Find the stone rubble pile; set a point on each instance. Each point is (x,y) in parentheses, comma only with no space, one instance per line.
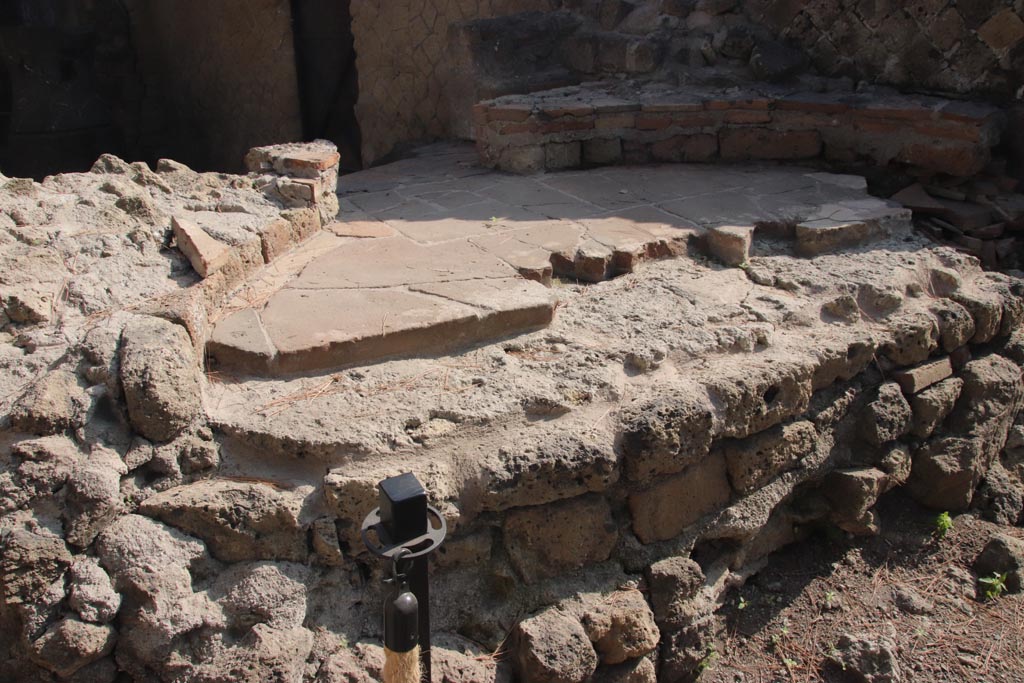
(984,216)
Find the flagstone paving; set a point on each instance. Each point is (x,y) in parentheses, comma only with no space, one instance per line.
(433,253)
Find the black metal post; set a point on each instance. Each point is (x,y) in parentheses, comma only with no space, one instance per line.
(403,514)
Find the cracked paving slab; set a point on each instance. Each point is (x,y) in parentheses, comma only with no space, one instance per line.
(430,255)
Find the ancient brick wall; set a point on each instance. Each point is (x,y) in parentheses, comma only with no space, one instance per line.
(970,46)
(404,65)
(219,78)
(415,83)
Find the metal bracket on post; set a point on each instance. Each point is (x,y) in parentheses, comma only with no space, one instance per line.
(401,531)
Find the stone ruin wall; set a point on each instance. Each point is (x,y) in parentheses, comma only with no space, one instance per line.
(421,67)
(203,83)
(678,487)
(971,48)
(169,562)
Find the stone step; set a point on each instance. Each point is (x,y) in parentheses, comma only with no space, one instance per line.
(420,264)
(604,123)
(376,299)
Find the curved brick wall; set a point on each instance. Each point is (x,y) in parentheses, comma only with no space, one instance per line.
(570,127)
(420,65)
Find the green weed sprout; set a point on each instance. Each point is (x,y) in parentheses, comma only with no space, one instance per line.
(943,524)
(995,585)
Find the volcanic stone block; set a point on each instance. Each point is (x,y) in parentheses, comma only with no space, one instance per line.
(758,459)
(686,148)
(674,582)
(348,499)
(896,464)
(548,540)
(621,626)
(685,649)
(524,159)
(239,521)
(70,644)
(1000,496)
(559,155)
(842,359)
(987,310)
(946,471)
(664,435)
(552,647)
(560,466)
(304,222)
(944,281)
(153,564)
(275,238)
(160,378)
(887,417)
(46,464)
(932,405)
(913,337)
(991,396)
(601,151)
(470,550)
(852,493)
(32,283)
(754,398)
(1003,554)
(947,29)
(843,307)
(774,61)
(730,244)
(90,592)
(30,563)
(93,495)
(55,403)
(666,508)
(956,326)
(640,670)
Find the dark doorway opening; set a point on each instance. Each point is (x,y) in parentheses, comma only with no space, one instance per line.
(328,83)
(53,117)
(6,101)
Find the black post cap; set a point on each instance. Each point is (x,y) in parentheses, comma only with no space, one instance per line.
(403,507)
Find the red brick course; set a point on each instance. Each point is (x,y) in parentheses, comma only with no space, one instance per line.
(926,134)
